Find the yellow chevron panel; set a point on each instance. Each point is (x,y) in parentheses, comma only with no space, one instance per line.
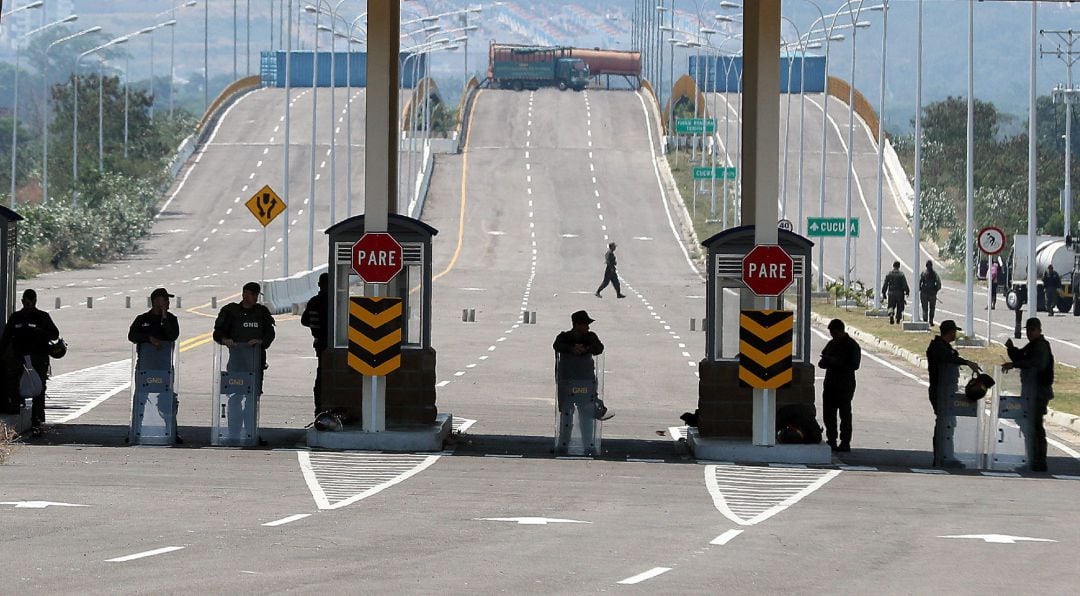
(374,346)
(765,360)
(757,383)
(379,371)
(375,319)
(765,333)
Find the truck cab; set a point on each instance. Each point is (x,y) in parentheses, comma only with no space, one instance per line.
(571,73)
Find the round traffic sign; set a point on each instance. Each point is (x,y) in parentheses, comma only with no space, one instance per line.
(991,240)
(785,224)
(376,257)
(768,270)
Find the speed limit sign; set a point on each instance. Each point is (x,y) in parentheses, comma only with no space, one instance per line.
(991,240)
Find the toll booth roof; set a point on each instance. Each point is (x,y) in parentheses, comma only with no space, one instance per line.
(9,215)
(394,223)
(745,235)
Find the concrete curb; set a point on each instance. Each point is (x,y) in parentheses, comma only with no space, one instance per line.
(1058,418)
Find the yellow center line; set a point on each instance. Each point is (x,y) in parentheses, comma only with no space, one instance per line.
(464,182)
(195,309)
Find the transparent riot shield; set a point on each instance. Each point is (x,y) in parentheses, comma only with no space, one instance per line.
(579,404)
(237,388)
(153,394)
(965,428)
(1009,442)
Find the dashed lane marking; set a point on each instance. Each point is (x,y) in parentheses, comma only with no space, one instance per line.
(749,495)
(637,579)
(149,553)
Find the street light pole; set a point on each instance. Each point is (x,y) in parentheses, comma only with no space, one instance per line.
(288,137)
(969,175)
(172,51)
(851,150)
(45,120)
(916,223)
(1032,169)
(75,126)
(881,150)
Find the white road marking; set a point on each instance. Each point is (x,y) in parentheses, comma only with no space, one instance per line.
(149,553)
(637,579)
(749,495)
(532,521)
(39,504)
(340,479)
(1000,538)
(726,537)
(286,520)
(73,394)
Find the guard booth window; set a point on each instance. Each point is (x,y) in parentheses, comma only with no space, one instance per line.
(729,292)
(407,285)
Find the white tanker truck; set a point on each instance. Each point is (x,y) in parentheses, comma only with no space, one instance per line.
(1062,253)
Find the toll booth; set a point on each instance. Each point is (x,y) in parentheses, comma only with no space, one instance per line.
(410,390)
(725,409)
(14,414)
(153,394)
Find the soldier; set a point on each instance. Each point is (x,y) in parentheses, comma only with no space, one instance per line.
(840,359)
(574,367)
(610,276)
(246,323)
(316,317)
(27,335)
(1036,364)
(896,290)
(1051,285)
(943,364)
(929,285)
(151,331)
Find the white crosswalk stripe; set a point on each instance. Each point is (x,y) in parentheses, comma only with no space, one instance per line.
(340,479)
(73,394)
(748,495)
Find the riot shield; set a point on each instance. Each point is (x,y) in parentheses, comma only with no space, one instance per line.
(579,404)
(153,394)
(237,387)
(1009,448)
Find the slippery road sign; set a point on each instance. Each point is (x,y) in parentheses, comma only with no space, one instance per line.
(265,205)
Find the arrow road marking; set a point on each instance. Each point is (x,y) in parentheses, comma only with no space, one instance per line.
(532,521)
(1000,538)
(39,504)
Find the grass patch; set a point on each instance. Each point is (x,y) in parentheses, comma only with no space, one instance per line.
(7,443)
(1066,378)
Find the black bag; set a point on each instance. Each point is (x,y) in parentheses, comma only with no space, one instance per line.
(796,424)
(977,387)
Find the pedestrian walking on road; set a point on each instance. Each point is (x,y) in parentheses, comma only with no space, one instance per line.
(994,274)
(896,290)
(1036,364)
(840,359)
(1051,286)
(576,382)
(929,285)
(943,363)
(610,276)
(26,343)
(316,318)
(153,334)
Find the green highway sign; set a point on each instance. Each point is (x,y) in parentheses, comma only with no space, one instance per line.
(693,126)
(709,173)
(830,226)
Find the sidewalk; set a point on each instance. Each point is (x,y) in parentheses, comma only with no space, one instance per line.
(1062,419)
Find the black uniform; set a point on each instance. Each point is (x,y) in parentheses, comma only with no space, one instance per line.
(28,333)
(896,288)
(929,285)
(943,363)
(571,367)
(242,325)
(840,359)
(164,327)
(1036,364)
(1051,284)
(610,276)
(316,316)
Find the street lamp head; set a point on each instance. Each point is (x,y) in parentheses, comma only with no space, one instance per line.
(191,3)
(862,25)
(477,9)
(430,29)
(70,18)
(724,18)
(37,4)
(667,28)
(324,28)
(171,23)
(311,9)
(707,31)
(730,5)
(470,28)
(144,31)
(814,46)
(661,9)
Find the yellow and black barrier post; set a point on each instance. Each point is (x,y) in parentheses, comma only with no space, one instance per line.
(375,348)
(765,348)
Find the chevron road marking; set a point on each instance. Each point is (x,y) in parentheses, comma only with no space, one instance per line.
(749,495)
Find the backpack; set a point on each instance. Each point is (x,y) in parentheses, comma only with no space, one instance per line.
(30,384)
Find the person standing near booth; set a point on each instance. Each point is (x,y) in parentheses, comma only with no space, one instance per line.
(840,359)
(153,333)
(1036,364)
(896,290)
(316,318)
(574,364)
(943,363)
(929,285)
(27,336)
(246,324)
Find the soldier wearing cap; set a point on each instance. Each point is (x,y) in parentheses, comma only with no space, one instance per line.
(943,363)
(27,335)
(153,332)
(1036,364)
(245,323)
(575,349)
(316,316)
(840,359)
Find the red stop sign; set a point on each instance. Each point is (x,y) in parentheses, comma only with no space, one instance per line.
(376,257)
(768,270)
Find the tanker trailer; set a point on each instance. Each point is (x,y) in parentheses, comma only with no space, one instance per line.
(1049,250)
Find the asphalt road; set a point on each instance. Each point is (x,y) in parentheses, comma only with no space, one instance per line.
(524,213)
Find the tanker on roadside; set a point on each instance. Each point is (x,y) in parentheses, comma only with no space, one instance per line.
(1061,252)
(520,67)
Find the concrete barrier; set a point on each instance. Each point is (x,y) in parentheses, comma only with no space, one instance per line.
(280,295)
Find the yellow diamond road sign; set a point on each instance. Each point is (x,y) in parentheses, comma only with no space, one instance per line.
(265,205)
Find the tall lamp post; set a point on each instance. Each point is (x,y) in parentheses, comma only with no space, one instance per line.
(45,120)
(881,150)
(1066,94)
(15,102)
(172,52)
(75,124)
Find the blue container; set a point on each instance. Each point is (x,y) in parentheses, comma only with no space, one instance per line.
(302,69)
(724,73)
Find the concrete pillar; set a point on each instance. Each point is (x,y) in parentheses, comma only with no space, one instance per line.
(761,160)
(380,159)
